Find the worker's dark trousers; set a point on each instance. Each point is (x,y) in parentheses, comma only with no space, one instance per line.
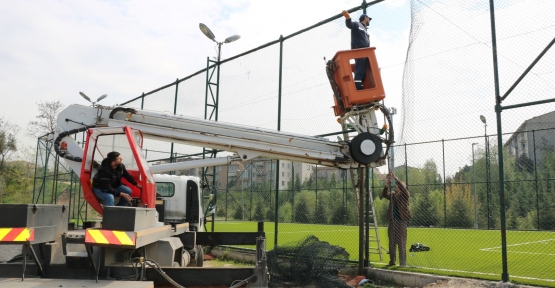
(360,71)
(397,233)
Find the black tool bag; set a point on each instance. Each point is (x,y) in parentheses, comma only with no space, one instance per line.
(418,247)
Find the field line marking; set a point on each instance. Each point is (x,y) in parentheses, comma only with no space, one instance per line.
(519,244)
(311,231)
(520,252)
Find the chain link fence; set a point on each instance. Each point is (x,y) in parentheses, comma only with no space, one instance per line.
(446,152)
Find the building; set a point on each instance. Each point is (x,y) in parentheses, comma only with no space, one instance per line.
(324,173)
(533,138)
(289,169)
(244,174)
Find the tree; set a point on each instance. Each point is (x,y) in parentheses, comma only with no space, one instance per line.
(285,212)
(16,182)
(460,214)
(258,212)
(320,213)
(297,187)
(302,214)
(46,120)
(238,213)
(425,212)
(8,143)
(338,216)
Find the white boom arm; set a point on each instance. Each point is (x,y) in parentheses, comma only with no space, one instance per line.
(247,142)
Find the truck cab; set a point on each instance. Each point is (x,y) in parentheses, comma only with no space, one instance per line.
(179,200)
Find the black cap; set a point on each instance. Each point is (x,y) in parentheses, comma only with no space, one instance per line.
(363,16)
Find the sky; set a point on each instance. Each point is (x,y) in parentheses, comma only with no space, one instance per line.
(53,49)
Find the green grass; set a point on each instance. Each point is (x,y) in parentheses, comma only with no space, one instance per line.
(454,252)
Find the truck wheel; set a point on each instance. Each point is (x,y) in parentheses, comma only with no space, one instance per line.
(200,256)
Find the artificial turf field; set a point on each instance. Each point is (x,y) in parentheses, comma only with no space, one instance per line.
(455,252)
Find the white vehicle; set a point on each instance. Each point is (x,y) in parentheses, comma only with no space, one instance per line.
(181,196)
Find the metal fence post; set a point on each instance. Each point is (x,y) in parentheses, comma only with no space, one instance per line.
(279,129)
(536,178)
(505,274)
(344,204)
(363,5)
(367,219)
(444,186)
(143,101)
(36,166)
(406,167)
(174,112)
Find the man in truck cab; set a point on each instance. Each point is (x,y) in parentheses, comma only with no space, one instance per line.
(107,181)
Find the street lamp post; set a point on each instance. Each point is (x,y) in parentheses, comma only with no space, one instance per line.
(211,36)
(215,98)
(483,119)
(474,182)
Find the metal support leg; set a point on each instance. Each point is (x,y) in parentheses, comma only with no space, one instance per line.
(90,256)
(98,264)
(28,248)
(36,259)
(24,261)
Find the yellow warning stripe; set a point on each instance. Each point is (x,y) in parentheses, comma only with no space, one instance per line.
(123,238)
(23,236)
(4,232)
(16,234)
(97,236)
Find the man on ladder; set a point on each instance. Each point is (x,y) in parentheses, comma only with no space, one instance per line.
(398,215)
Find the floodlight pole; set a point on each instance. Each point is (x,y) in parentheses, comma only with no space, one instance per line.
(212,99)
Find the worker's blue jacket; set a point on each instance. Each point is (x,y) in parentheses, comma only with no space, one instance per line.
(359,34)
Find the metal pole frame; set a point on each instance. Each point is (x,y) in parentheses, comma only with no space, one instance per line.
(498,100)
(498,109)
(213,115)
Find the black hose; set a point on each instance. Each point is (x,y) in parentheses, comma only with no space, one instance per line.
(64,154)
(330,70)
(123,109)
(152,264)
(391,137)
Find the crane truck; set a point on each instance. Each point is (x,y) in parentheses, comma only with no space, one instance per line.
(128,235)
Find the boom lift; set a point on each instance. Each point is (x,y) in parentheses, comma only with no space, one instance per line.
(123,129)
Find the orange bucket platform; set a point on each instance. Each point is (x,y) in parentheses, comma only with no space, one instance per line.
(343,76)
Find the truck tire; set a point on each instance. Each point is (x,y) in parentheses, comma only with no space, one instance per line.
(199,256)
